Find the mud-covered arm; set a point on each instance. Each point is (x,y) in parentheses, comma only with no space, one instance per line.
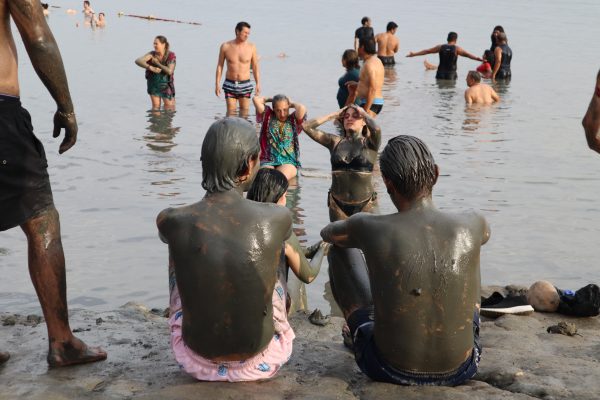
(168,68)
(45,57)
(591,120)
(326,139)
(142,62)
(305,271)
(374,139)
(432,50)
(343,233)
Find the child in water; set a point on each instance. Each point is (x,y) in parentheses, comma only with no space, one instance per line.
(485,69)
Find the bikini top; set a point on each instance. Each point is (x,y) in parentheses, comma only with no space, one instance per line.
(360,163)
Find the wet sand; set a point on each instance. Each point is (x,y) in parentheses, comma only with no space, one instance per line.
(520,361)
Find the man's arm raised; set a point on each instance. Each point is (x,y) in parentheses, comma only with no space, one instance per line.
(432,50)
(47,62)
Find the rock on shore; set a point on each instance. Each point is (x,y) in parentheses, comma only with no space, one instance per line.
(520,361)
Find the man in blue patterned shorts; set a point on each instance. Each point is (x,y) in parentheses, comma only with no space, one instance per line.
(240,56)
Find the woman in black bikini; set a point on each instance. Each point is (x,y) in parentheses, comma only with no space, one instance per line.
(352,158)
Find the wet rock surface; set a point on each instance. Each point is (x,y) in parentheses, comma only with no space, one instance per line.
(521,360)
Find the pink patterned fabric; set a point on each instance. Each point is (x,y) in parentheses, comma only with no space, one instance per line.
(262,366)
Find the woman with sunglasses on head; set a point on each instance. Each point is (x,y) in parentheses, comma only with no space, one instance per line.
(352,158)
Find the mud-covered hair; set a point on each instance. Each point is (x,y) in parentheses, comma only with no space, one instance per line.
(408,164)
(268,186)
(228,146)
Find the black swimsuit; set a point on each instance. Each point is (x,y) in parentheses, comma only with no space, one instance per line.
(447,67)
(360,163)
(504,71)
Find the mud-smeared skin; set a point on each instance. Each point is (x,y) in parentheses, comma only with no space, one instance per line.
(591,120)
(225,251)
(350,187)
(423,268)
(45,252)
(45,57)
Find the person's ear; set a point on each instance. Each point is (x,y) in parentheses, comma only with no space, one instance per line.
(437,173)
(250,168)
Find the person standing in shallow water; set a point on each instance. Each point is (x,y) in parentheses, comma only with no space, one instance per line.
(363,33)
(25,193)
(387,44)
(228,315)
(423,327)
(279,132)
(591,120)
(502,58)
(241,58)
(479,93)
(448,53)
(350,62)
(160,74)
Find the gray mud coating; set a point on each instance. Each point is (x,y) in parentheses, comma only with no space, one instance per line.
(520,361)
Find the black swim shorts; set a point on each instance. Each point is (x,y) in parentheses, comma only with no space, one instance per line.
(387,60)
(368,360)
(24,184)
(447,76)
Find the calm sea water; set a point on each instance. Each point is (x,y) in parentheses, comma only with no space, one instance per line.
(524,163)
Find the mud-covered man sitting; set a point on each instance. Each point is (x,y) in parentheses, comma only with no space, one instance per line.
(228,319)
(424,274)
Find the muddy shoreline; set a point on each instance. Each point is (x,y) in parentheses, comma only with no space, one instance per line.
(520,361)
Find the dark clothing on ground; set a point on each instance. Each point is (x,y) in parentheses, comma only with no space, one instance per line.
(447,66)
(369,361)
(24,184)
(349,76)
(387,60)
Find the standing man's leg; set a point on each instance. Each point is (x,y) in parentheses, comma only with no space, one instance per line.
(231,103)
(47,271)
(244,106)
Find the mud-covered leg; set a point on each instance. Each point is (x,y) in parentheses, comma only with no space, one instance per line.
(47,271)
(349,279)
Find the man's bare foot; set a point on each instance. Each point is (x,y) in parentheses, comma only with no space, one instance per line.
(4,357)
(73,352)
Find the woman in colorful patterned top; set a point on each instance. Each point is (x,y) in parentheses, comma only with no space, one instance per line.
(279,131)
(160,69)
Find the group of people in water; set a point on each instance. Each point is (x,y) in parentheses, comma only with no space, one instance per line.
(407,283)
